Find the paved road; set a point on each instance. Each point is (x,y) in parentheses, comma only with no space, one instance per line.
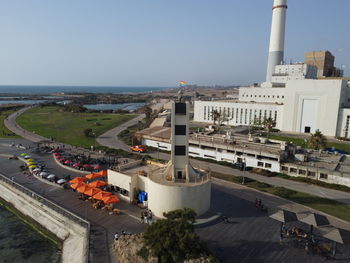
(103,225)
(110,139)
(10,123)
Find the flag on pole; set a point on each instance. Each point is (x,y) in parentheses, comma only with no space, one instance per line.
(182,83)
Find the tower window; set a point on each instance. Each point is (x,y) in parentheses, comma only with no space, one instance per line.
(180,108)
(180,150)
(180,129)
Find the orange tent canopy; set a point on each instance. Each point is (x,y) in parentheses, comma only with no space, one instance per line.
(93,176)
(97,184)
(102,173)
(101,195)
(77,185)
(83,188)
(110,199)
(92,191)
(77,180)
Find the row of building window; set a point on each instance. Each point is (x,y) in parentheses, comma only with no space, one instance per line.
(267,165)
(239,115)
(262,96)
(303,172)
(347,126)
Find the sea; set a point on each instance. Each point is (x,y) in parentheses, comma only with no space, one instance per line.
(30,90)
(20,243)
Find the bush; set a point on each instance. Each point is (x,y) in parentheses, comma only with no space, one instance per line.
(88,132)
(262,185)
(284,192)
(143,253)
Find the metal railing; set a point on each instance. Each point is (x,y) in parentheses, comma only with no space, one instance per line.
(64,212)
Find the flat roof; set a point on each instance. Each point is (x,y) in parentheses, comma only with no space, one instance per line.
(158,175)
(237,142)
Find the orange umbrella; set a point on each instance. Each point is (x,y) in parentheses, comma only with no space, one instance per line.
(102,173)
(75,186)
(92,176)
(77,180)
(83,188)
(92,191)
(97,184)
(110,199)
(101,195)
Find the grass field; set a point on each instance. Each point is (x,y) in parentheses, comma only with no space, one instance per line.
(69,127)
(325,205)
(301,142)
(4,132)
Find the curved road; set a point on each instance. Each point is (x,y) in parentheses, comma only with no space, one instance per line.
(110,138)
(11,124)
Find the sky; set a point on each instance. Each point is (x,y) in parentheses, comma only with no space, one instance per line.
(159,42)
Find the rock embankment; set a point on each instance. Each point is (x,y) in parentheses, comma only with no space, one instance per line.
(126,248)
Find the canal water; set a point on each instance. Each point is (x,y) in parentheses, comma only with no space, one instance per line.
(20,243)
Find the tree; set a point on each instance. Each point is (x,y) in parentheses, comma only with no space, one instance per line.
(268,124)
(173,239)
(317,141)
(148,112)
(215,115)
(88,132)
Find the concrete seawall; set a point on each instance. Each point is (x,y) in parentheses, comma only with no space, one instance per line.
(72,230)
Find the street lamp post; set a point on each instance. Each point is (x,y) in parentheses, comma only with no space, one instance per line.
(243,166)
(158,151)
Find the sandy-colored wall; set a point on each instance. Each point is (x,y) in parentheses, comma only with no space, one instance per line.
(165,198)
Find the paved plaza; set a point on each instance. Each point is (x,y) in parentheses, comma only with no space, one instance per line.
(250,236)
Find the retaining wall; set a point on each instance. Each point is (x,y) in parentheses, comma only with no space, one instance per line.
(71,229)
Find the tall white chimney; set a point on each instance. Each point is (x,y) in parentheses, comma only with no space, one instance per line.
(278,28)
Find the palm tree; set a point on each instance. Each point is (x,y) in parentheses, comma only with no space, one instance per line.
(215,114)
(268,124)
(317,141)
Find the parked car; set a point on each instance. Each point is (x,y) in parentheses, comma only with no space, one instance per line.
(139,148)
(238,165)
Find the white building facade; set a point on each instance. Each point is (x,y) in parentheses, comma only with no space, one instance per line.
(298,103)
(238,113)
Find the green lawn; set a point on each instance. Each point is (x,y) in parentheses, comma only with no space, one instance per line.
(301,142)
(69,127)
(4,132)
(325,205)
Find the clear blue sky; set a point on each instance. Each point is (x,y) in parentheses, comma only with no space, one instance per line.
(158,42)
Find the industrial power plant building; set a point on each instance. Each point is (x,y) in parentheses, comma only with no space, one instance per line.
(301,97)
